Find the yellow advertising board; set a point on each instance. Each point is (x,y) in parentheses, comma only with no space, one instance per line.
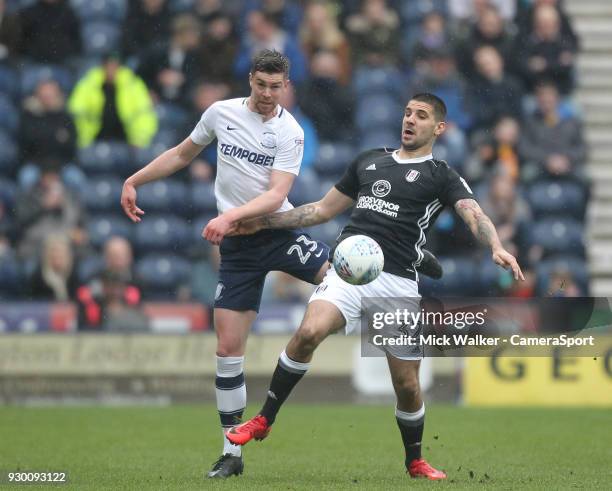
(538,381)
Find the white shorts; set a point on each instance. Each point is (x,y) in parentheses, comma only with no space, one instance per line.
(348,297)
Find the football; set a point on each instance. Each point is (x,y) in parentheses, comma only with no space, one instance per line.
(358,259)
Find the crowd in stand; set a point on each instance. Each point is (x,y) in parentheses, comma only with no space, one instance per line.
(91,91)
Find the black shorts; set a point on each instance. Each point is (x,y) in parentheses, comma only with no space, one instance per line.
(246,259)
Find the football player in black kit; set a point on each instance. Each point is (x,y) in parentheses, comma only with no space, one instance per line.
(396,196)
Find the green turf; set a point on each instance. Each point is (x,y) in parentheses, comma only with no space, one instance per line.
(312,447)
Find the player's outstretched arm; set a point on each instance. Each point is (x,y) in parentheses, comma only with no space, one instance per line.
(484,230)
(332,204)
(167,163)
(271,200)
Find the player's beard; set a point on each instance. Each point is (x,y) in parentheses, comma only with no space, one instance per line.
(418,143)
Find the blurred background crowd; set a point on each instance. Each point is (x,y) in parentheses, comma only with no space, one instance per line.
(92,90)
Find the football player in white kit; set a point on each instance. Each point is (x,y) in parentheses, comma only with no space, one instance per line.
(259,155)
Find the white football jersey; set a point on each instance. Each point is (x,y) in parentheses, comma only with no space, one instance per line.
(248,149)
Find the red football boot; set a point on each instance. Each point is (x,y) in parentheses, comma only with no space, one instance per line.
(256,427)
(420,468)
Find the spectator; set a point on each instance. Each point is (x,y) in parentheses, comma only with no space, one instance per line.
(492,93)
(118,257)
(326,101)
(264,33)
(218,49)
(311,140)
(46,208)
(562,283)
(208,10)
(110,304)
(48,137)
(320,32)
(374,34)
(545,53)
(285,13)
(508,211)
(55,276)
(468,11)
(553,143)
(489,30)
(432,37)
(168,70)
(10,35)
(111,102)
(50,32)
(146,26)
(438,74)
(204,95)
(525,20)
(497,152)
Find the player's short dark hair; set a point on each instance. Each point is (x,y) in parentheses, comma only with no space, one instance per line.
(270,61)
(439,108)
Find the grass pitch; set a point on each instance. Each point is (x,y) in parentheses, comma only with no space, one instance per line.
(311,447)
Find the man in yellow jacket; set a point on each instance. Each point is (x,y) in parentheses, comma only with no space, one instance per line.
(111,102)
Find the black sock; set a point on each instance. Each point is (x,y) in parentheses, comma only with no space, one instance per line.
(411,427)
(286,376)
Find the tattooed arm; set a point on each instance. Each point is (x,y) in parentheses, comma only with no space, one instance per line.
(484,230)
(332,204)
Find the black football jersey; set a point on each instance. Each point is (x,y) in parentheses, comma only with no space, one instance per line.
(397,201)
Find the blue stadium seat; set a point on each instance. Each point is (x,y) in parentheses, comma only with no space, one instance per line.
(460,278)
(11,278)
(168,137)
(100,37)
(9,82)
(160,274)
(492,278)
(179,6)
(99,10)
(105,158)
(9,153)
(333,158)
(379,80)
(379,138)
(9,115)
(33,74)
(89,267)
(306,188)
(171,116)
(162,232)
(378,111)
(142,156)
(101,227)
(558,236)
(557,197)
(8,191)
(103,194)
(203,197)
(163,196)
(575,265)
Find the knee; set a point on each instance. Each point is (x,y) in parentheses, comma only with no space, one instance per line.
(408,388)
(310,334)
(229,347)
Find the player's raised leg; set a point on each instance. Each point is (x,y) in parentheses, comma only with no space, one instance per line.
(321,319)
(410,415)
(232,329)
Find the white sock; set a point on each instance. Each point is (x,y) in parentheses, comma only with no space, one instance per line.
(231,396)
